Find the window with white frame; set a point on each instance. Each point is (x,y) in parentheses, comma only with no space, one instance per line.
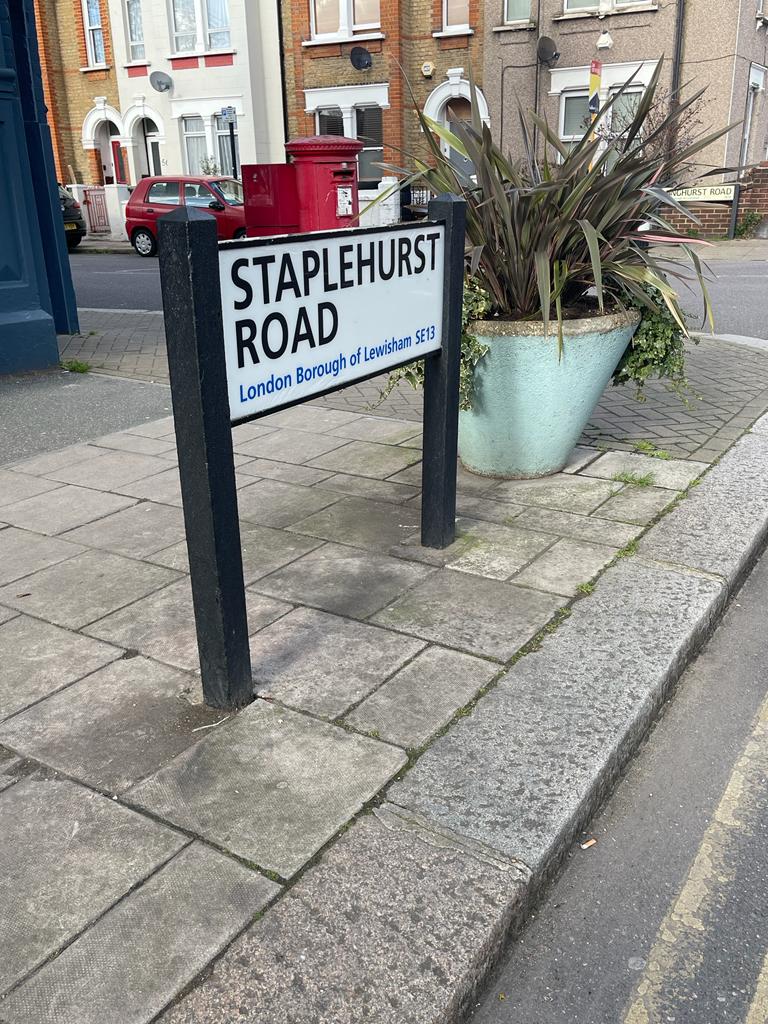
(367,126)
(455,15)
(136,49)
(516,10)
(195,143)
(574,117)
(603,6)
(224,146)
(212,34)
(335,18)
(94,34)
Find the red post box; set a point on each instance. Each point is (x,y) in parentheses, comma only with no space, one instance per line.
(326,180)
(271,199)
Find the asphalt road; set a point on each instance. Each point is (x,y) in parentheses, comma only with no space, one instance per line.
(665,919)
(127,281)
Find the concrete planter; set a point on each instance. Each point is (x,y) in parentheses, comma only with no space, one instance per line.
(530,406)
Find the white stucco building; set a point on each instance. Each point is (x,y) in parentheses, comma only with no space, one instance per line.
(211,54)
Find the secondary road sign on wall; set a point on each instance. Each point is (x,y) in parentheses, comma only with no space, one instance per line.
(305,315)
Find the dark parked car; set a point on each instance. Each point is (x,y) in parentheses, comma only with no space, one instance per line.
(74,223)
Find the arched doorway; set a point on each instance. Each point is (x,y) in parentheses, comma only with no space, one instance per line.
(111,153)
(450,103)
(146,138)
(458,111)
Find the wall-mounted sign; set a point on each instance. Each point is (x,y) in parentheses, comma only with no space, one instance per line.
(305,314)
(705,194)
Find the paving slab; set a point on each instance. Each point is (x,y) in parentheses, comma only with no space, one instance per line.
(363,458)
(156,428)
(401,923)
(263,550)
(115,726)
(68,854)
(475,506)
(288,472)
(675,474)
(84,588)
(470,613)
(15,487)
(129,965)
(110,471)
(39,465)
(529,766)
(248,431)
(6,614)
(580,457)
(63,509)
(162,625)
(466,482)
(343,580)
(36,659)
(136,443)
(22,553)
(561,491)
(286,445)
(278,504)
(422,697)
(271,786)
(324,664)
(565,565)
(378,429)
(313,418)
(569,524)
(494,551)
(10,768)
(163,487)
(367,487)
(361,522)
(136,532)
(637,505)
(719,525)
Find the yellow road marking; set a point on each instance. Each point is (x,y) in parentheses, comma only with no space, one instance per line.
(677,951)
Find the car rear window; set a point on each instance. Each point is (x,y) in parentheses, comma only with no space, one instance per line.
(164,192)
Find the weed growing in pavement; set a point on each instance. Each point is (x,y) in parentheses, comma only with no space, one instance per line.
(636,479)
(585,588)
(75,366)
(648,448)
(628,550)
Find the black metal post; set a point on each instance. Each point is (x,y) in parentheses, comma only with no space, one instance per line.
(441,386)
(734,210)
(232,148)
(189,277)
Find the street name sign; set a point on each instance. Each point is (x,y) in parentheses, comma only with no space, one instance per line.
(260,324)
(705,194)
(304,315)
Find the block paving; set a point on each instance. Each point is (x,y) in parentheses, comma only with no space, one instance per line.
(144,828)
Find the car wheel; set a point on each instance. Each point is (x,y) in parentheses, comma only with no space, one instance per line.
(143,242)
(72,243)
(240,233)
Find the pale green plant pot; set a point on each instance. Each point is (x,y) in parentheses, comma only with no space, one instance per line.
(530,405)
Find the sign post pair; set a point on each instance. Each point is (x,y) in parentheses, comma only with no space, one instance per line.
(261,324)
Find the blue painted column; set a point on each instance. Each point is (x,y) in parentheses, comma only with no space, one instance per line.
(36,294)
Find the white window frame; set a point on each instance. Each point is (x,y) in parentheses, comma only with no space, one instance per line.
(202,31)
(132,43)
(462,29)
(347,27)
(565,95)
(605,6)
(203,133)
(89,30)
(223,133)
(515,21)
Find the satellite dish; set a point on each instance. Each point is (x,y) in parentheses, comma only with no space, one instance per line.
(546,51)
(160,82)
(361,58)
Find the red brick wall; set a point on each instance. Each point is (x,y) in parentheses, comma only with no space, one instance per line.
(716,217)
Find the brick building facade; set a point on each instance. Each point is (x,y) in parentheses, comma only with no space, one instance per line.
(77,67)
(427,46)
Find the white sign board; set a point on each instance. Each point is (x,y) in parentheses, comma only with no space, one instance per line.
(705,194)
(307,314)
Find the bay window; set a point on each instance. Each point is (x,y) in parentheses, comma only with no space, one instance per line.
(195,143)
(363,122)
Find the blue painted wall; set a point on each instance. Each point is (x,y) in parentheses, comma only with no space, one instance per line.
(36,293)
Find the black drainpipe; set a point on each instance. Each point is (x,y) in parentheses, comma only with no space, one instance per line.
(284,90)
(677,69)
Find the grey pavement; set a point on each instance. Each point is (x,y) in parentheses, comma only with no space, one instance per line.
(728,390)
(593,945)
(430,729)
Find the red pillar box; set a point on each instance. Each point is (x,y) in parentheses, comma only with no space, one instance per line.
(326,181)
(271,199)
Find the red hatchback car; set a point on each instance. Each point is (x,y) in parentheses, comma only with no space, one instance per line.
(152,197)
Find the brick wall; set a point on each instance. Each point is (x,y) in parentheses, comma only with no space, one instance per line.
(70,92)
(407,26)
(716,217)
